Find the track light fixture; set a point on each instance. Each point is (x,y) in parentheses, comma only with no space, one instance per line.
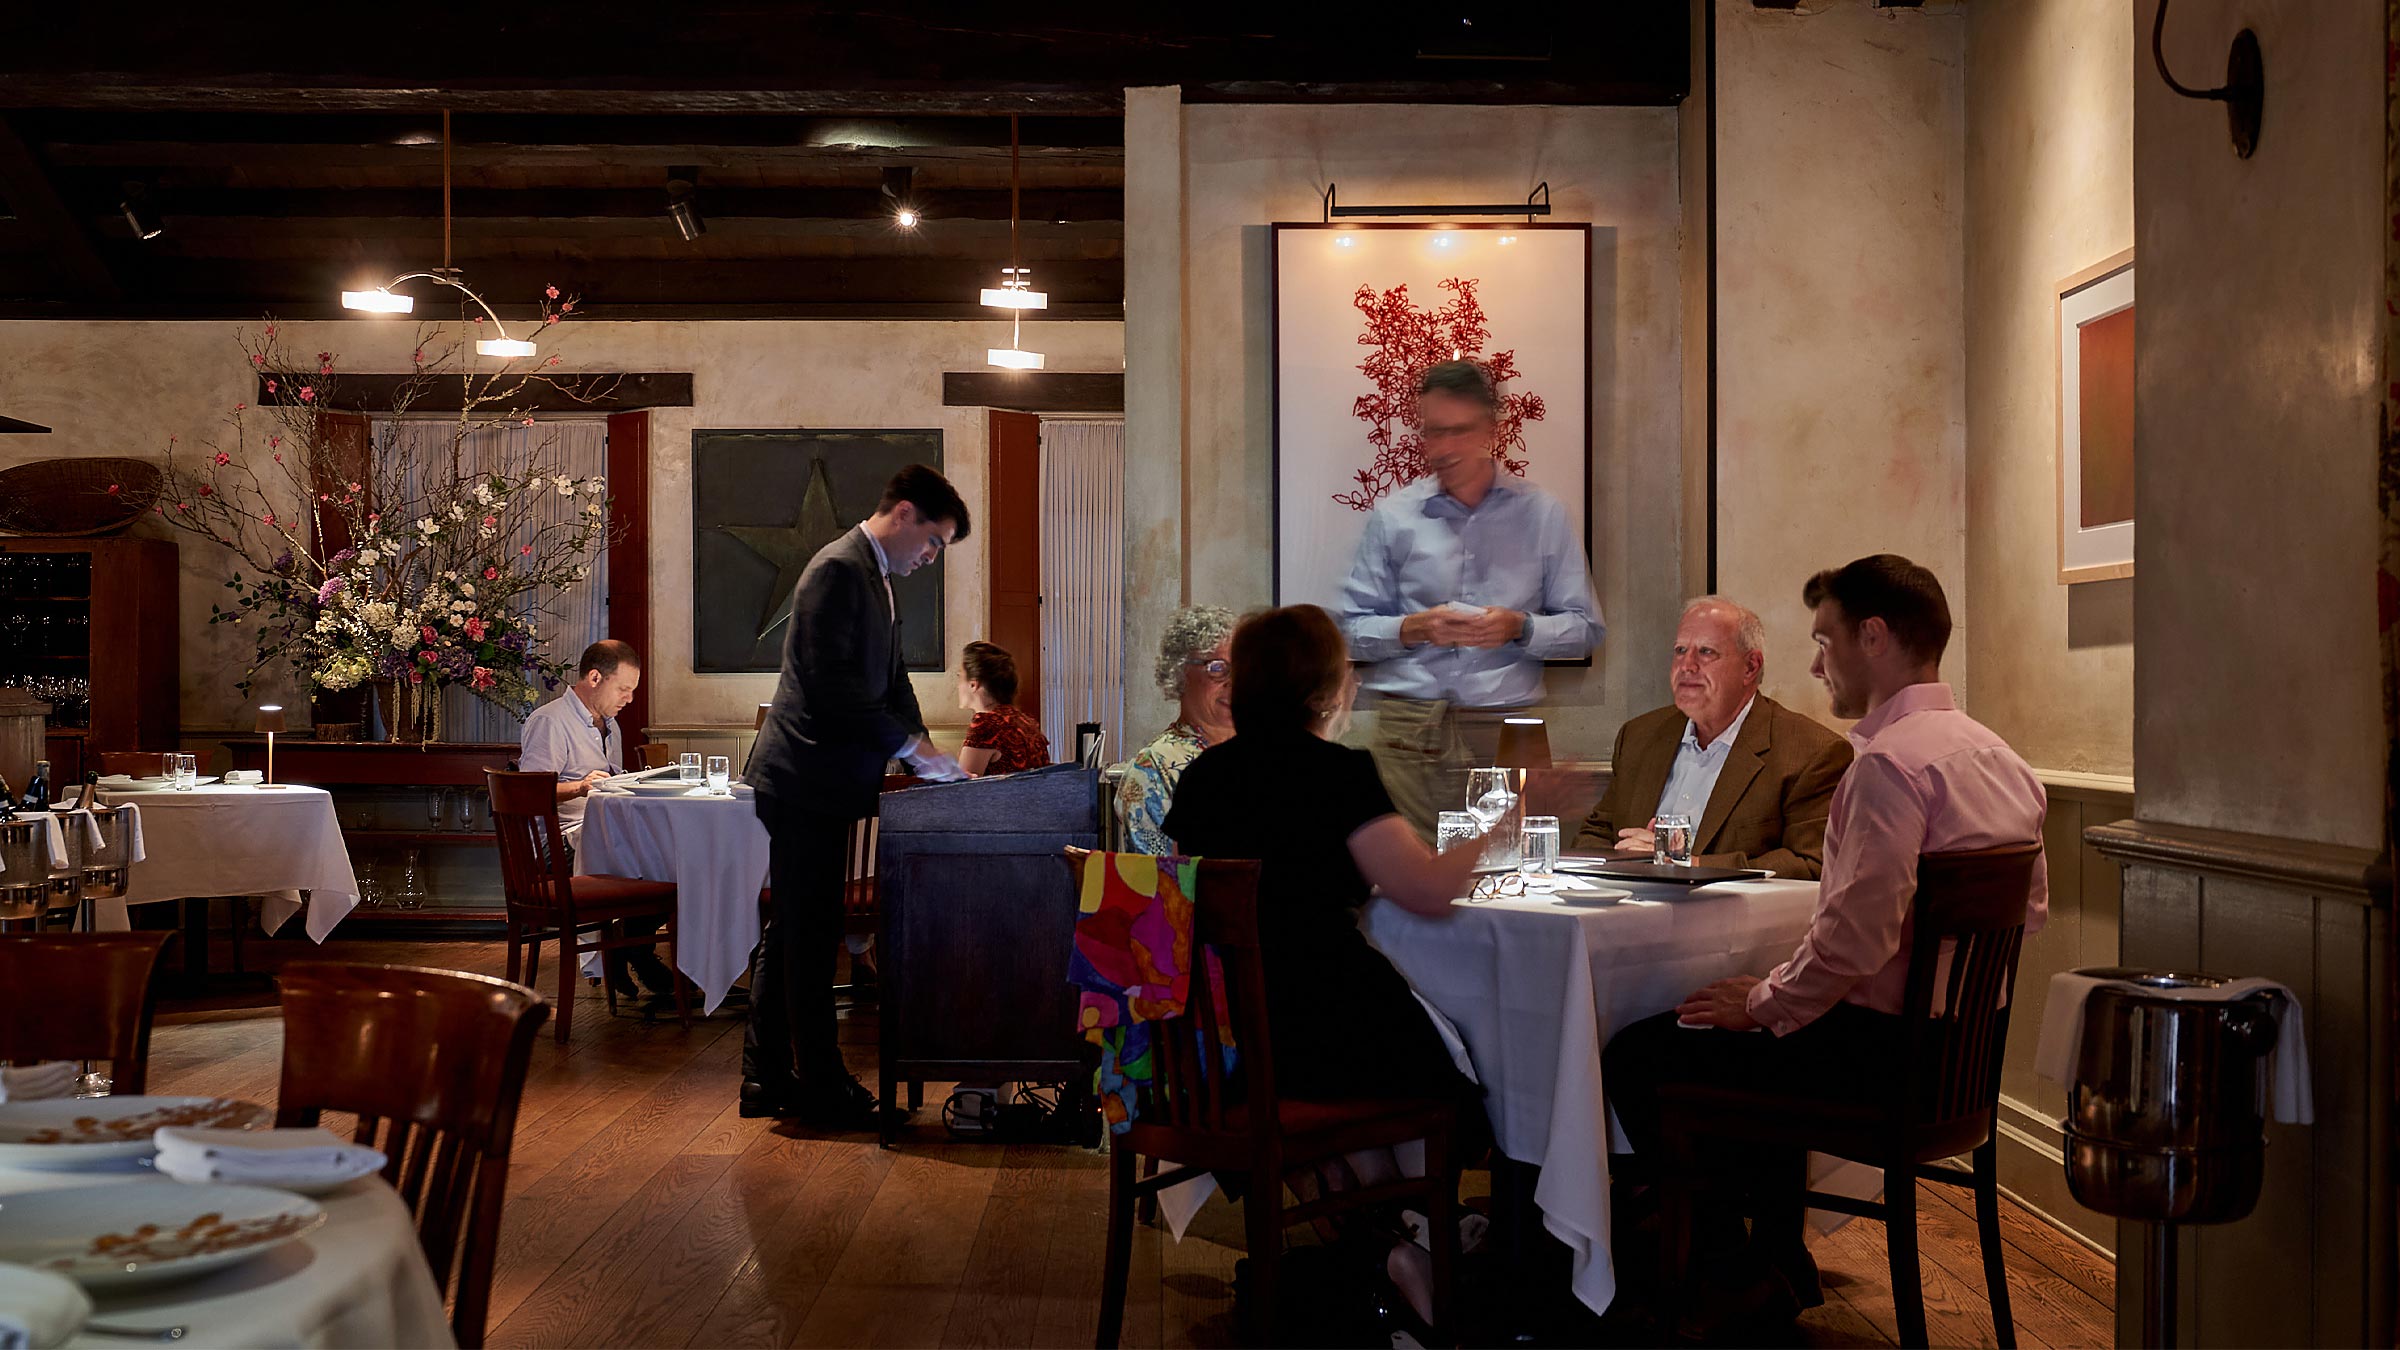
(900,188)
(683,191)
(384,299)
(140,213)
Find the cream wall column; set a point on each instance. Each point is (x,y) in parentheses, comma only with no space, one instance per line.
(2259,730)
(1840,308)
(1157,546)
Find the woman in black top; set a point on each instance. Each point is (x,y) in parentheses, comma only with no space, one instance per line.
(1316,816)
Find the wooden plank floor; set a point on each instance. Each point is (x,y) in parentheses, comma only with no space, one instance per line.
(643,1211)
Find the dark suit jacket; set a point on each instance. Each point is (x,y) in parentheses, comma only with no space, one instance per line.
(843,706)
(1770,803)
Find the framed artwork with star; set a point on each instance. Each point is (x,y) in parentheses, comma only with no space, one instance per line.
(763,504)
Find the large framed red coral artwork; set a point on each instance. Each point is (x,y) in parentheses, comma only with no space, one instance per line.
(1361,310)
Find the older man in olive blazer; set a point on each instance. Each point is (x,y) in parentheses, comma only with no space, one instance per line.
(1756,778)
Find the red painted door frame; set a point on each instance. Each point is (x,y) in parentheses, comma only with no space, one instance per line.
(629,557)
(1013,512)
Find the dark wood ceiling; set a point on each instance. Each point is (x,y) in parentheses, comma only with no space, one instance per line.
(286,162)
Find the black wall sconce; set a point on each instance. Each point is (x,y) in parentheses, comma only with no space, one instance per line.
(2244,92)
(1536,203)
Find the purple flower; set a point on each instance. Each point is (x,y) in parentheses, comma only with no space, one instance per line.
(549,681)
(283,561)
(344,556)
(333,586)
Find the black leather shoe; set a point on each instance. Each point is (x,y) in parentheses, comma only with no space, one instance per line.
(772,1099)
(847,1105)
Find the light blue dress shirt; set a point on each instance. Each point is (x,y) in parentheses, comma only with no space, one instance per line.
(1697,767)
(559,738)
(1422,549)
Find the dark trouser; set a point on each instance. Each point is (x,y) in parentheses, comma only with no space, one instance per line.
(642,961)
(791,1031)
(1850,1054)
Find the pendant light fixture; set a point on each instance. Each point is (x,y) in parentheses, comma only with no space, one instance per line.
(385,299)
(1015,292)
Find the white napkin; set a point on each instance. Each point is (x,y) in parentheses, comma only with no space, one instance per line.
(245,776)
(129,819)
(39,1310)
(2287,1064)
(38,1082)
(52,835)
(261,1157)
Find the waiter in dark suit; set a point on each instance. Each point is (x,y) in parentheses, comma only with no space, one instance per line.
(843,710)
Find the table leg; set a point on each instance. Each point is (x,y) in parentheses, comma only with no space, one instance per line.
(1521,1233)
(195,940)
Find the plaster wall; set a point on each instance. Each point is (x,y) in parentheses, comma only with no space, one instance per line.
(2257,384)
(2049,192)
(1157,516)
(1246,166)
(181,378)
(1841,382)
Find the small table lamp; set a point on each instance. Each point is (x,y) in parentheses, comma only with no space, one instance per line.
(1524,745)
(270,722)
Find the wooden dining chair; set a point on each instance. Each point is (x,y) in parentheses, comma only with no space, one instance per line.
(131,763)
(546,900)
(80,996)
(1198,1117)
(654,755)
(1946,1097)
(432,1062)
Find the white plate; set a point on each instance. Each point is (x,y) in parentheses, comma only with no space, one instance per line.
(149,784)
(85,1129)
(669,786)
(1590,897)
(105,1237)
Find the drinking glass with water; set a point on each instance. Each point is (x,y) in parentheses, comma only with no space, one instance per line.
(720,775)
(187,772)
(1671,840)
(1453,828)
(1540,857)
(688,768)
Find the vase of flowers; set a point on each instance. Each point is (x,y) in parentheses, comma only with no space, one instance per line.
(390,563)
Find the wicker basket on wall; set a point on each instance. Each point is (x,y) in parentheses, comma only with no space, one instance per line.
(77,498)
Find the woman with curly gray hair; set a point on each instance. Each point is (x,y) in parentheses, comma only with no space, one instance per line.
(1192,669)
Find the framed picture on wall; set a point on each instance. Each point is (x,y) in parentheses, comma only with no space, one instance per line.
(1360,313)
(763,503)
(2095,423)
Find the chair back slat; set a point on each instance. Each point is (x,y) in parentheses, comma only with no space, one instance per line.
(1191,1088)
(80,996)
(1969,929)
(536,871)
(433,1064)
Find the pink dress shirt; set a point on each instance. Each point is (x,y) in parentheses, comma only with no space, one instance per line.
(1928,779)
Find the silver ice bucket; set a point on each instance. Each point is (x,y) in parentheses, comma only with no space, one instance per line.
(103,868)
(24,869)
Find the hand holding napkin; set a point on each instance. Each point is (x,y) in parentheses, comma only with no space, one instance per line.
(39,1310)
(38,1082)
(288,1157)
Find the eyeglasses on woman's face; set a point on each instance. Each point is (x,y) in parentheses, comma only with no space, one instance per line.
(1214,667)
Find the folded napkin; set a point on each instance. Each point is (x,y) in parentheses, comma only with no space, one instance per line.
(39,1310)
(38,1082)
(263,1157)
(2287,1064)
(53,835)
(243,776)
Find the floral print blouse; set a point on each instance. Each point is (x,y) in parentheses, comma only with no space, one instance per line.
(1147,787)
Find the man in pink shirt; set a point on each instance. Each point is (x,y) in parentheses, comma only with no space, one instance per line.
(1825,1024)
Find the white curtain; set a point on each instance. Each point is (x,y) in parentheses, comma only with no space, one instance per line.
(579,615)
(1083,569)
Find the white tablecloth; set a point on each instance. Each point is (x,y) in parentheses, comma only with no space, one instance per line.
(1536,989)
(715,851)
(361,1280)
(228,839)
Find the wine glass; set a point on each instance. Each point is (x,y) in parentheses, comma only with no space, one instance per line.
(1489,795)
(435,804)
(465,815)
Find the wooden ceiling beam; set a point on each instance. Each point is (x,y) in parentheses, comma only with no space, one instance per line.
(715,203)
(35,202)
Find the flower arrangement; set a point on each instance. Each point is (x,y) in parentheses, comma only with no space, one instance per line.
(365,563)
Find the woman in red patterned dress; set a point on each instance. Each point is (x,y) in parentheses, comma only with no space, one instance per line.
(1001,738)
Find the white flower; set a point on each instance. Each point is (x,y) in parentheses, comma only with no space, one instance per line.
(449,576)
(566,487)
(592,508)
(326,622)
(483,493)
(461,606)
(595,486)
(378,616)
(465,589)
(428,527)
(581,572)
(405,635)
(487,531)
(368,557)
(457,512)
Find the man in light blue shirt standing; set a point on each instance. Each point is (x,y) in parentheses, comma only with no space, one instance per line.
(1466,581)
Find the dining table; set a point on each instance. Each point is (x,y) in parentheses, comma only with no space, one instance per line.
(359,1280)
(274,842)
(1535,986)
(713,848)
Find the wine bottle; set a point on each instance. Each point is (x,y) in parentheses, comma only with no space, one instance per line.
(37,792)
(91,786)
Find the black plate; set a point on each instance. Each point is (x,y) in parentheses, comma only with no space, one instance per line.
(1668,875)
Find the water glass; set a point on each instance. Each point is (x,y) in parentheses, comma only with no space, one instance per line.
(720,776)
(1541,846)
(688,767)
(187,772)
(1671,838)
(1453,828)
